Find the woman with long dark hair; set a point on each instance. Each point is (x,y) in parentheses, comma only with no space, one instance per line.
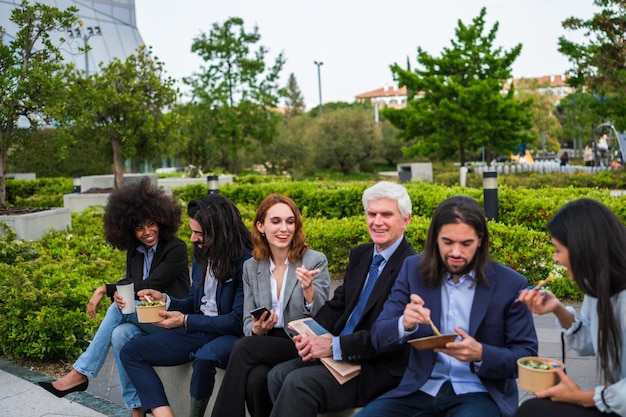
(590,243)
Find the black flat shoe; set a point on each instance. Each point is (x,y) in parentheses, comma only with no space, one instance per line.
(50,388)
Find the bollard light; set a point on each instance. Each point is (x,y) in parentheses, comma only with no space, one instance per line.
(76,183)
(490,194)
(463,176)
(213,184)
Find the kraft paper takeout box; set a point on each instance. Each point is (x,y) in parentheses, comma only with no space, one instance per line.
(150,314)
(533,380)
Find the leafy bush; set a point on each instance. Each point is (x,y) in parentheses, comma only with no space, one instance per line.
(613,179)
(46,284)
(44,192)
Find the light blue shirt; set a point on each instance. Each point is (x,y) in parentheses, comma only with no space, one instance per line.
(386,254)
(456,308)
(148,256)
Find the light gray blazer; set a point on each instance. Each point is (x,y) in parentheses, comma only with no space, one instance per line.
(257,288)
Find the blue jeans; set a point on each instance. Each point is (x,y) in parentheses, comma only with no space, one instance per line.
(115,330)
(446,404)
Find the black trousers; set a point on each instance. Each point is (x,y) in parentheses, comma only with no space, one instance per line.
(536,407)
(245,379)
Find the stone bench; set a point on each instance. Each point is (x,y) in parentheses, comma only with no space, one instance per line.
(176,382)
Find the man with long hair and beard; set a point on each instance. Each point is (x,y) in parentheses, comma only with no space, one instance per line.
(455,284)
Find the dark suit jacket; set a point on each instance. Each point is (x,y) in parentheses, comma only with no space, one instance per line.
(503,326)
(229,303)
(379,371)
(169,271)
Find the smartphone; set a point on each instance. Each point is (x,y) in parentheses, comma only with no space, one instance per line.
(315,327)
(258,312)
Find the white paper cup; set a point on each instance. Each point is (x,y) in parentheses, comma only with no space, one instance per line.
(128,294)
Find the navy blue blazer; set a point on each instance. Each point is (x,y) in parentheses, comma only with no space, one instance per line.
(504,327)
(229,303)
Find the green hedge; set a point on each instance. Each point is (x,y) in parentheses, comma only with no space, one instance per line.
(46,284)
(612,179)
(43,192)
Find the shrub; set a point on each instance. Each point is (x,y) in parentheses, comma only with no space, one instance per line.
(44,192)
(46,284)
(46,288)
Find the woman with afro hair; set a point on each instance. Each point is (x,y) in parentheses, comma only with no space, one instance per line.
(142,220)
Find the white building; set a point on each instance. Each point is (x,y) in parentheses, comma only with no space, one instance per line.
(108,27)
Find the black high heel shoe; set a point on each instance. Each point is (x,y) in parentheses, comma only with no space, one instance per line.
(62,393)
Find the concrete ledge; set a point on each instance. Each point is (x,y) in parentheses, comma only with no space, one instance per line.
(169,183)
(106,181)
(34,226)
(419,170)
(80,202)
(21,175)
(176,381)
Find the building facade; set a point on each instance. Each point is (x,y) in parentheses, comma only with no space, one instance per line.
(108,27)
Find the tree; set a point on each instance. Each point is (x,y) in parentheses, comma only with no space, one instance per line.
(545,130)
(293,149)
(458,105)
(237,88)
(294,99)
(346,138)
(125,104)
(599,63)
(578,114)
(391,145)
(32,74)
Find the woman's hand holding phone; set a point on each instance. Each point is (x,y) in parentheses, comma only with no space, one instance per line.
(263,320)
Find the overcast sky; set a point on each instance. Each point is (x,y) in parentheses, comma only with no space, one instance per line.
(357,40)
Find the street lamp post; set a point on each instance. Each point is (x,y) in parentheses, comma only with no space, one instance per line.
(319,83)
(91,31)
(85,35)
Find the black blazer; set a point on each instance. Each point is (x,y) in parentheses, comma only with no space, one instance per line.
(380,372)
(169,271)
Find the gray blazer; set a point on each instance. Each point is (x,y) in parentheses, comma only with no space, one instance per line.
(257,288)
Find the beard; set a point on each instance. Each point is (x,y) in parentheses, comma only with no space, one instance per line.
(461,269)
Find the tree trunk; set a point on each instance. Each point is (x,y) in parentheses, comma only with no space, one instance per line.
(118,164)
(3,183)
(5,135)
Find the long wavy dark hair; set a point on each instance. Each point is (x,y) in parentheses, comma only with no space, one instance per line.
(133,204)
(455,210)
(225,237)
(596,240)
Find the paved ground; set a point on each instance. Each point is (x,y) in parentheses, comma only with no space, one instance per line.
(21,397)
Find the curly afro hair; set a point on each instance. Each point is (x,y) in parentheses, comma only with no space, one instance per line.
(132,205)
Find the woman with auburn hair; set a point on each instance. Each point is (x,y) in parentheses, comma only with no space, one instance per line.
(590,243)
(291,281)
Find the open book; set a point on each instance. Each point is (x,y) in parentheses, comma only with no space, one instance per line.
(342,371)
